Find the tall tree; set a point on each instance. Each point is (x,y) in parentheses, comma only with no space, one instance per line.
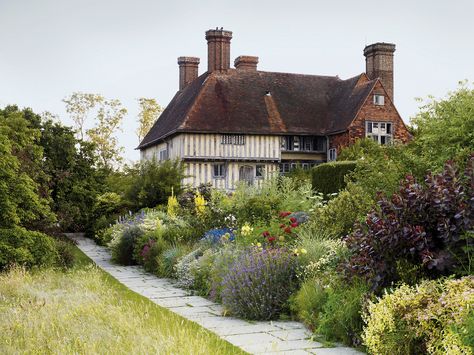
(108,121)
(79,105)
(107,115)
(24,196)
(150,111)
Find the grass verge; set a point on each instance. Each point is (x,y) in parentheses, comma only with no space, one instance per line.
(85,310)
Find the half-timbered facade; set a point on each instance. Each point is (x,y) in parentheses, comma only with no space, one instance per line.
(230,125)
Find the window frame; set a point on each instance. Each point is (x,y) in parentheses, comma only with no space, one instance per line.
(233,139)
(332,154)
(259,171)
(221,167)
(378,129)
(377,101)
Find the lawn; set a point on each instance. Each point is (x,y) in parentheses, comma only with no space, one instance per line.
(84,310)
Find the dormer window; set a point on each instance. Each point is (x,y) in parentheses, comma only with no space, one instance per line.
(380,132)
(379,100)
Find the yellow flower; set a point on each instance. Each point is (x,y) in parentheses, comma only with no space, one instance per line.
(200,203)
(303,251)
(281,238)
(246,230)
(172,205)
(259,245)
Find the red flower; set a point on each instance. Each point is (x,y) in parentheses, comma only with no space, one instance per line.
(284,214)
(288,230)
(271,239)
(295,224)
(282,225)
(292,219)
(266,234)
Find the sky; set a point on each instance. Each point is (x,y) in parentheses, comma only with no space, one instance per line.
(127,49)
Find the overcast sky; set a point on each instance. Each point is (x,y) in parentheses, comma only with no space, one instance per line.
(127,49)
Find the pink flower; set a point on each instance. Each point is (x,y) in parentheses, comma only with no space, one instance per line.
(271,239)
(284,214)
(288,230)
(266,234)
(293,220)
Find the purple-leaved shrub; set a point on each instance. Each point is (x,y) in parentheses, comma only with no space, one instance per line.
(259,283)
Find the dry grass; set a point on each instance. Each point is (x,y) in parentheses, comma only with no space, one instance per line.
(86,312)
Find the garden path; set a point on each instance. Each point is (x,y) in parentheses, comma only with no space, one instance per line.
(283,337)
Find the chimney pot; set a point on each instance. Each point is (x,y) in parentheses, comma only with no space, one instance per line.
(246,62)
(188,70)
(218,49)
(379,64)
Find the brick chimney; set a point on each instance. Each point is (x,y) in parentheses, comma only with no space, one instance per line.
(218,49)
(379,64)
(188,70)
(246,62)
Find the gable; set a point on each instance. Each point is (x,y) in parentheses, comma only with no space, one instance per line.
(385,113)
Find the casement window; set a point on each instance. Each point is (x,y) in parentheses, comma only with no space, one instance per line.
(381,132)
(259,171)
(284,168)
(163,154)
(218,171)
(332,154)
(303,143)
(235,139)
(379,100)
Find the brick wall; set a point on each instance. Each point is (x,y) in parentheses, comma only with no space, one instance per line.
(371,112)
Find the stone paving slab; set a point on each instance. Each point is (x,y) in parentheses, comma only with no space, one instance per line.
(266,337)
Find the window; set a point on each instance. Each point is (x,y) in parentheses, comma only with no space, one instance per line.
(235,139)
(303,143)
(380,132)
(259,171)
(379,100)
(163,154)
(219,171)
(332,154)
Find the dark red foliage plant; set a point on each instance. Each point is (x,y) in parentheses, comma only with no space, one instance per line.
(428,226)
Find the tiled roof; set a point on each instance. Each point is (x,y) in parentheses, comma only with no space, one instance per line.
(258,102)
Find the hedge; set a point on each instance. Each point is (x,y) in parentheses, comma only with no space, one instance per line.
(328,178)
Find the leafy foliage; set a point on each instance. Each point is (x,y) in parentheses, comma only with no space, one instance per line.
(420,319)
(329,178)
(122,252)
(332,307)
(444,129)
(24,198)
(26,248)
(422,225)
(150,110)
(154,182)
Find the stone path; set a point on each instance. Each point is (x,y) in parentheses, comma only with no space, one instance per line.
(254,337)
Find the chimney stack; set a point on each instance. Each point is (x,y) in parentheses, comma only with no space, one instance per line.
(246,62)
(218,49)
(188,70)
(379,64)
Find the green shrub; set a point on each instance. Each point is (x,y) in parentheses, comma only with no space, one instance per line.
(332,307)
(328,178)
(27,248)
(152,255)
(122,251)
(169,259)
(154,182)
(420,319)
(339,215)
(66,256)
(466,331)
